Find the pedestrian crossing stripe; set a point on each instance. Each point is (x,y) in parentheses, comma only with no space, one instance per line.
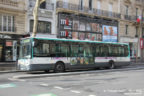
(7,85)
(48,94)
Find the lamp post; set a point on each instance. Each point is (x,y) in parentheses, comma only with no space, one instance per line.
(139,22)
(35,15)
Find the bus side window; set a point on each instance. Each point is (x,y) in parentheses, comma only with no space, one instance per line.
(65,50)
(88,51)
(74,50)
(41,49)
(120,48)
(110,50)
(52,50)
(81,51)
(97,51)
(126,50)
(104,51)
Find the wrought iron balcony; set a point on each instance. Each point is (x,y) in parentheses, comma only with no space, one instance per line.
(127,17)
(139,2)
(13,5)
(9,2)
(86,10)
(8,29)
(47,7)
(130,18)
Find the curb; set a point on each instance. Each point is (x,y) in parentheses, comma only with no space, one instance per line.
(73,73)
(10,71)
(15,71)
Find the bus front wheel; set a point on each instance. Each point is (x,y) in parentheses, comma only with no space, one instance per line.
(59,67)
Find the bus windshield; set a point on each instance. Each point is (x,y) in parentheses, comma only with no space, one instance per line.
(25,49)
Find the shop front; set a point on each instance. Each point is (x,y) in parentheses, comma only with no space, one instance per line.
(81,27)
(133,45)
(8,48)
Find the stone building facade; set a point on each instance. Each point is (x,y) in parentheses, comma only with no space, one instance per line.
(46,18)
(130,31)
(88,19)
(12,27)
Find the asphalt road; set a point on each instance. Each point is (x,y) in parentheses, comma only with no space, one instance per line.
(117,82)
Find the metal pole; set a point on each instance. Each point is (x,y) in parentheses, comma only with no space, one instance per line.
(142,35)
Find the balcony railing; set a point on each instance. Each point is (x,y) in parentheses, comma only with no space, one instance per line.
(81,9)
(130,18)
(48,7)
(139,2)
(8,29)
(9,2)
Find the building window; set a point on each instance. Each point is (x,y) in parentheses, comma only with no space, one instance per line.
(81,4)
(43,26)
(98,7)
(90,4)
(31,3)
(43,5)
(143,32)
(110,9)
(126,31)
(136,32)
(6,23)
(127,10)
(136,13)
(0,22)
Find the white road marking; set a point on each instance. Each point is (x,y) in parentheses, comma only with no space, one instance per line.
(57,87)
(131,94)
(49,94)
(44,84)
(14,79)
(7,85)
(92,95)
(74,91)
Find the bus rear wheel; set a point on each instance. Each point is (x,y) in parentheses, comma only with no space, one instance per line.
(59,67)
(111,65)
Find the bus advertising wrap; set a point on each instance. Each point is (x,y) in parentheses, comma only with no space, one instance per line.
(109,33)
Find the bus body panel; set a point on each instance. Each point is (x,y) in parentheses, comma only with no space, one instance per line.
(24,64)
(32,61)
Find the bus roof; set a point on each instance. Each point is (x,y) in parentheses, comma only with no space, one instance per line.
(71,40)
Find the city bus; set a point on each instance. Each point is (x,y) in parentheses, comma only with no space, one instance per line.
(59,55)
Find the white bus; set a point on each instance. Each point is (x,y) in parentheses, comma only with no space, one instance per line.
(37,54)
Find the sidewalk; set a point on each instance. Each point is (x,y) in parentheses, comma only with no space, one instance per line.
(139,62)
(8,66)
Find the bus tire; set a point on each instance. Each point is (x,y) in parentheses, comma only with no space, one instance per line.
(111,65)
(59,67)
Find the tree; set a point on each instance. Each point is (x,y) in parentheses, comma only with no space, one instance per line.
(35,15)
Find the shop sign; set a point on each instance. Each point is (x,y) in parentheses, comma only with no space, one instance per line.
(127,40)
(66,23)
(109,33)
(26,41)
(9,43)
(66,34)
